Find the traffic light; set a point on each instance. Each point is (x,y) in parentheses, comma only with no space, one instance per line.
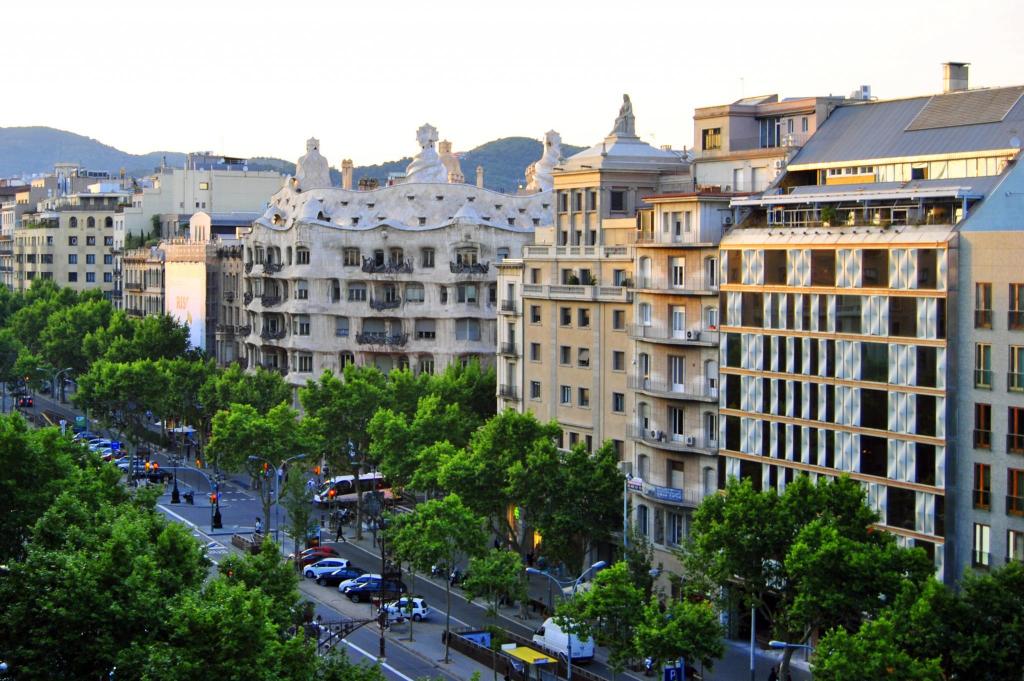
(316,470)
(199,462)
(155,466)
(213,498)
(331,492)
(146,465)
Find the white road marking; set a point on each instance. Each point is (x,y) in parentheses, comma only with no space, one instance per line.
(385,665)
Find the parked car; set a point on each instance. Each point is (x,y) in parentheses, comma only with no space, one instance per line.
(315,554)
(375,588)
(551,638)
(357,580)
(84,435)
(316,569)
(401,609)
(26,401)
(336,577)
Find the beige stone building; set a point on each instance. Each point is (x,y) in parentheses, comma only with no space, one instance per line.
(143,281)
(399,276)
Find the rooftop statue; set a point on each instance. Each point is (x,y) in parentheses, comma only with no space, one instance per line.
(426,166)
(312,171)
(625,124)
(538,175)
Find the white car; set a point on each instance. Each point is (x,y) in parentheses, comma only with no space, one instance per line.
(314,570)
(358,580)
(400,609)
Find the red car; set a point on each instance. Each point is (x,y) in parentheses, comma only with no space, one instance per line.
(315,554)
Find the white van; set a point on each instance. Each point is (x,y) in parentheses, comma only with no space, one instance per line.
(552,639)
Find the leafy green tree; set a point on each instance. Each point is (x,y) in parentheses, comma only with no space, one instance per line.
(339,414)
(336,666)
(471,386)
(62,338)
(246,440)
(680,629)
(609,612)
(440,531)
(511,463)
(297,499)
(261,389)
(639,557)
(871,653)
(35,465)
(808,559)
(185,379)
(495,576)
(10,349)
(41,301)
(268,572)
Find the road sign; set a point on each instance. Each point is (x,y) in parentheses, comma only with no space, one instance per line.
(115,446)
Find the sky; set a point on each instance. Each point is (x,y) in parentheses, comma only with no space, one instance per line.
(257,78)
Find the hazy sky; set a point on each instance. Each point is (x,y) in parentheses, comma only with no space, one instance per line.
(255,78)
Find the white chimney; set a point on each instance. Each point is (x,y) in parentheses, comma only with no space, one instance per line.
(480,176)
(954,76)
(346,174)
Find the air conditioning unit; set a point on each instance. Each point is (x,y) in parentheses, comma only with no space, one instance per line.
(657,435)
(692,335)
(727,220)
(691,441)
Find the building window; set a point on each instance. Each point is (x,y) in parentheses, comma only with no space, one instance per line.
(982,556)
(1015,430)
(565,396)
(108,241)
(535,314)
(982,486)
(305,363)
(983,366)
(1015,545)
(90,241)
(427,257)
(350,257)
(1015,316)
(534,275)
(108,277)
(982,306)
(72,258)
(301,256)
(534,390)
(534,352)
(108,259)
(618,403)
(90,277)
(466,293)
(565,316)
(584,397)
(73,222)
(468,329)
(90,221)
(302,325)
(204,186)
(302,289)
(642,519)
(617,200)
(803,124)
(357,292)
(583,358)
(711,138)
(564,355)
(583,317)
(618,320)
(1015,491)
(982,426)
(645,314)
(618,360)
(72,276)
(72,241)
(414,293)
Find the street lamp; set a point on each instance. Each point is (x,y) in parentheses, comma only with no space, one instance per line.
(277,488)
(562,584)
(53,380)
(782,645)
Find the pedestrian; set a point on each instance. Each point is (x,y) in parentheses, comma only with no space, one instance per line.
(259,525)
(339,534)
(529,559)
(773,675)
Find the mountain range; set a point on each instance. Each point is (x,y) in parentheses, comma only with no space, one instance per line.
(34,150)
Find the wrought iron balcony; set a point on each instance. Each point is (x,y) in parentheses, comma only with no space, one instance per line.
(371,266)
(507,349)
(248,267)
(509,392)
(247,297)
(382,338)
(269,301)
(243,330)
(272,267)
(475,268)
(229,296)
(509,306)
(385,304)
(272,334)
(133,286)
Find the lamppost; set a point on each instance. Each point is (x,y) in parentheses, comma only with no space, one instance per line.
(277,488)
(562,584)
(53,380)
(782,645)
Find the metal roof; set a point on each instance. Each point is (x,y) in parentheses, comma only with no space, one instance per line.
(879,130)
(966,187)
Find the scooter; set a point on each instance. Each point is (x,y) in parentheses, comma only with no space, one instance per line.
(190,498)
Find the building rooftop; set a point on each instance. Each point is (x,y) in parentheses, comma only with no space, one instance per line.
(942,124)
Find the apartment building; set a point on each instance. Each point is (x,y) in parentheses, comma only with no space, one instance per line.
(839,292)
(143,281)
(397,276)
(70,238)
(744,146)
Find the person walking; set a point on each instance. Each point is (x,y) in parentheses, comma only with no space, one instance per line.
(259,525)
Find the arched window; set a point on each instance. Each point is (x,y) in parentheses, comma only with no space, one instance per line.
(73,222)
(108,221)
(90,222)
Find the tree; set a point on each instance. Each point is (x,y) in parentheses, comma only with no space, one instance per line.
(471,386)
(681,629)
(440,531)
(35,466)
(62,339)
(808,558)
(260,389)
(185,379)
(495,576)
(871,653)
(639,557)
(339,413)
(10,349)
(266,571)
(609,612)
(335,666)
(297,498)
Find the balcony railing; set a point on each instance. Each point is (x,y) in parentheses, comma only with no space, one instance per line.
(1014,505)
(672,495)
(272,334)
(270,366)
(475,268)
(381,338)
(1015,443)
(509,392)
(659,238)
(688,336)
(675,441)
(385,304)
(226,328)
(272,267)
(248,267)
(135,312)
(509,306)
(691,284)
(507,349)
(1015,320)
(341,333)
(701,390)
(983,378)
(133,286)
(371,266)
(229,296)
(244,330)
(983,319)
(982,439)
(983,499)
(269,301)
